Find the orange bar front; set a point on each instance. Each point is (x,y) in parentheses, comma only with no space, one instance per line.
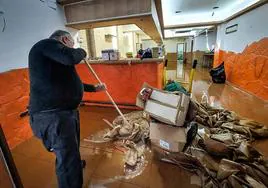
(123,80)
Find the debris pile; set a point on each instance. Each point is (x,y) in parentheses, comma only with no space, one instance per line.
(134,134)
(222,154)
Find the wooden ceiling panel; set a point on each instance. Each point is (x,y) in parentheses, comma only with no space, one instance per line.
(104,9)
(102,13)
(145,23)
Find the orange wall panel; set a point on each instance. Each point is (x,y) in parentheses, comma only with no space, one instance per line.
(123,81)
(247,70)
(14,96)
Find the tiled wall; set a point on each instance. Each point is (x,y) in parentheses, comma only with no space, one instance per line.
(245,52)
(247,70)
(14,96)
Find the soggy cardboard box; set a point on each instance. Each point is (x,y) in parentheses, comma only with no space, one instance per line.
(165,106)
(167,137)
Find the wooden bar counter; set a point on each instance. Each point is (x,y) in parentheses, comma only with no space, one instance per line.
(124,78)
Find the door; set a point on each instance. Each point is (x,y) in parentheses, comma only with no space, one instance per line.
(180,52)
(181,48)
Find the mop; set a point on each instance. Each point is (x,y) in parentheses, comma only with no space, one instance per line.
(106,91)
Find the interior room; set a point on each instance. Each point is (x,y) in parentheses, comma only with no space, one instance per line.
(133,94)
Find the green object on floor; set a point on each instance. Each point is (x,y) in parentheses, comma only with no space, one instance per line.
(175,86)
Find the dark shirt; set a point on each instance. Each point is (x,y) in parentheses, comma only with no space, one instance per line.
(54,82)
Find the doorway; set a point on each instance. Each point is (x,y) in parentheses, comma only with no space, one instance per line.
(181,53)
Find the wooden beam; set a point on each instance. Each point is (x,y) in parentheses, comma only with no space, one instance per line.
(91,43)
(105,9)
(145,23)
(89,14)
(159,9)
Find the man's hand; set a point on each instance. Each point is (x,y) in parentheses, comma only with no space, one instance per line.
(100,87)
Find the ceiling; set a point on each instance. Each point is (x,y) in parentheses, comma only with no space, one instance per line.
(200,11)
(188,31)
(64,2)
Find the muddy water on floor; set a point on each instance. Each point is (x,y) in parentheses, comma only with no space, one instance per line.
(98,137)
(130,172)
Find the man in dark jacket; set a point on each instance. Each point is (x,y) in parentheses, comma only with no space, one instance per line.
(55,93)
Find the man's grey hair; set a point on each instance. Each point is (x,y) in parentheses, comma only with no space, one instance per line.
(58,34)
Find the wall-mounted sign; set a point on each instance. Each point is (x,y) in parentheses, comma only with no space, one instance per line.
(109,38)
(231,29)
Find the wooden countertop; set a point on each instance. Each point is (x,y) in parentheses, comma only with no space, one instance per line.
(127,61)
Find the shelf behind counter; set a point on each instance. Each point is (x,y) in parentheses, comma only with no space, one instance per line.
(124,78)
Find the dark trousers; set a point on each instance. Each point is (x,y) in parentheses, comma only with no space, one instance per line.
(60,133)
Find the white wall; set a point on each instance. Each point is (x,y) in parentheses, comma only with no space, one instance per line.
(148,43)
(101,43)
(251,27)
(205,43)
(189,43)
(28,21)
(171,44)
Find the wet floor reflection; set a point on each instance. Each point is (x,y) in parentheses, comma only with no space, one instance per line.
(114,147)
(227,96)
(180,70)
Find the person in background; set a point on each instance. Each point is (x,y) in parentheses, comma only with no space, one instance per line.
(55,94)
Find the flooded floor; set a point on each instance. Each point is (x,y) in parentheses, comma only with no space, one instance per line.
(105,165)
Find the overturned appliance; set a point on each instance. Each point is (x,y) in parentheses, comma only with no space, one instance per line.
(218,74)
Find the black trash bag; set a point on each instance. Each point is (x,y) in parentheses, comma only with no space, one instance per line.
(218,74)
(147,54)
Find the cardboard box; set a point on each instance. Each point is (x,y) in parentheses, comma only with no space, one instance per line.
(167,137)
(114,55)
(110,54)
(164,106)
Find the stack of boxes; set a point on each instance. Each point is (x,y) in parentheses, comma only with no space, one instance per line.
(168,112)
(110,55)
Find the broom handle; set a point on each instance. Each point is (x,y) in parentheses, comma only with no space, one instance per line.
(107,93)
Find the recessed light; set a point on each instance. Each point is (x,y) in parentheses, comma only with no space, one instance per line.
(178,11)
(216,7)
